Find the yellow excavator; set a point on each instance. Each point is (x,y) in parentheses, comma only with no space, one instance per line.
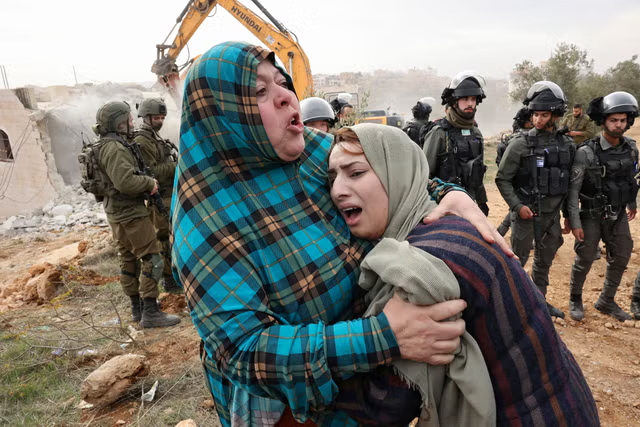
(274,35)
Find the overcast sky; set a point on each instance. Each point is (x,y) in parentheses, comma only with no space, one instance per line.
(42,40)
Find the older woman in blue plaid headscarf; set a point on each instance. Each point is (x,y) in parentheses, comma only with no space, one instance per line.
(268,265)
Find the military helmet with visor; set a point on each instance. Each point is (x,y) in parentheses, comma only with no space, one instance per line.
(464,84)
(546,96)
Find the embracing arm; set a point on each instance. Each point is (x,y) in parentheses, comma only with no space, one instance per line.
(260,352)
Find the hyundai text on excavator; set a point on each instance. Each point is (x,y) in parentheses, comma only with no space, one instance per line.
(274,35)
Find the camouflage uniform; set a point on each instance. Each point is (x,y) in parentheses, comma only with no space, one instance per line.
(511,181)
(129,219)
(159,155)
(586,213)
(582,123)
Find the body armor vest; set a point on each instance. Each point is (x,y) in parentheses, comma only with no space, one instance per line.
(550,164)
(167,148)
(462,162)
(610,183)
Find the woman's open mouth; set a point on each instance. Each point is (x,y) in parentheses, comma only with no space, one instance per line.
(351,215)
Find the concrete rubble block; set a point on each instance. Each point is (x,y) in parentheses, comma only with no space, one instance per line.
(8,224)
(64,210)
(47,208)
(20,222)
(34,221)
(59,220)
(114,378)
(187,423)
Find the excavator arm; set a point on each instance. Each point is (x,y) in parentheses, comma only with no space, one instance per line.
(275,36)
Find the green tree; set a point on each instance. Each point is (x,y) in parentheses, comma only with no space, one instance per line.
(564,67)
(626,76)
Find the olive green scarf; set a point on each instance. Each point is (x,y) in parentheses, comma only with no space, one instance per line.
(458,394)
(454,117)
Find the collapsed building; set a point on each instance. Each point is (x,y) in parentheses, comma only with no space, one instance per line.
(41,133)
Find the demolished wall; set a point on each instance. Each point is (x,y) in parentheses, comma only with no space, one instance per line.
(29,179)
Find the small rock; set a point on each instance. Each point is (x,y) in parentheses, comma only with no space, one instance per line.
(559,321)
(629,323)
(595,289)
(608,325)
(637,404)
(168,411)
(120,422)
(187,423)
(637,325)
(609,392)
(209,404)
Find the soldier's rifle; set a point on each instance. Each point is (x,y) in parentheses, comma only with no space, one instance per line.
(155,198)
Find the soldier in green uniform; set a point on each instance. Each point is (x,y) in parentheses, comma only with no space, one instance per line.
(317,114)
(421,112)
(580,126)
(533,179)
(602,201)
(160,155)
(124,203)
(521,123)
(454,146)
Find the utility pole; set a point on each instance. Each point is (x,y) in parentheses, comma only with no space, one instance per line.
(74,74)
(5,79)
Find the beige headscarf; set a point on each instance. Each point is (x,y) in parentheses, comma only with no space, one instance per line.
(458,394)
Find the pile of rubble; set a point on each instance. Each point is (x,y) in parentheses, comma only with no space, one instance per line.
(73,210)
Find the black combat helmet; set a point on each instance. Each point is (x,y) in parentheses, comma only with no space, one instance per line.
(546,96)
(111,115)
(341,101)
(466,83)
(616,102)
(521,118)
(423,108)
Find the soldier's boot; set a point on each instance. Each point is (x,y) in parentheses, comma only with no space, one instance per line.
(608,306)
(170,285)
(635,308)
(153,317)
(576,310)
(136,308)
(555,312)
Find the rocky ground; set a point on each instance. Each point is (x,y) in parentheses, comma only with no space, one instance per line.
(56,245)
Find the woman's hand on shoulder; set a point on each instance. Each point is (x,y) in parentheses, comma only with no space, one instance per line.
(423,333)
(460,204)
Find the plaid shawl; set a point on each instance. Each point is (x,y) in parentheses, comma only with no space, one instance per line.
(267,263)
(536,380)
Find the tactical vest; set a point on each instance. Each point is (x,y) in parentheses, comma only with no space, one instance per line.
(502,146)
(550,163)
(611,180)
(463,160)
(94,179)
(413,131)
(167,149)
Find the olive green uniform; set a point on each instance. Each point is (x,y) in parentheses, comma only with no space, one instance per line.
(614,232)
(129,219)
(582,123)
(522,233)
(159,155)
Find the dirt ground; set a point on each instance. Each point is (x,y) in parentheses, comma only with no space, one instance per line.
(607,351)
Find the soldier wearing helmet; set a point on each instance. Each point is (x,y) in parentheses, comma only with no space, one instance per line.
(533,179)
(160,155)
(602,201)
(135,236)
(343,109)
(454,147)
(421,112)
(317,114)
(521,123)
